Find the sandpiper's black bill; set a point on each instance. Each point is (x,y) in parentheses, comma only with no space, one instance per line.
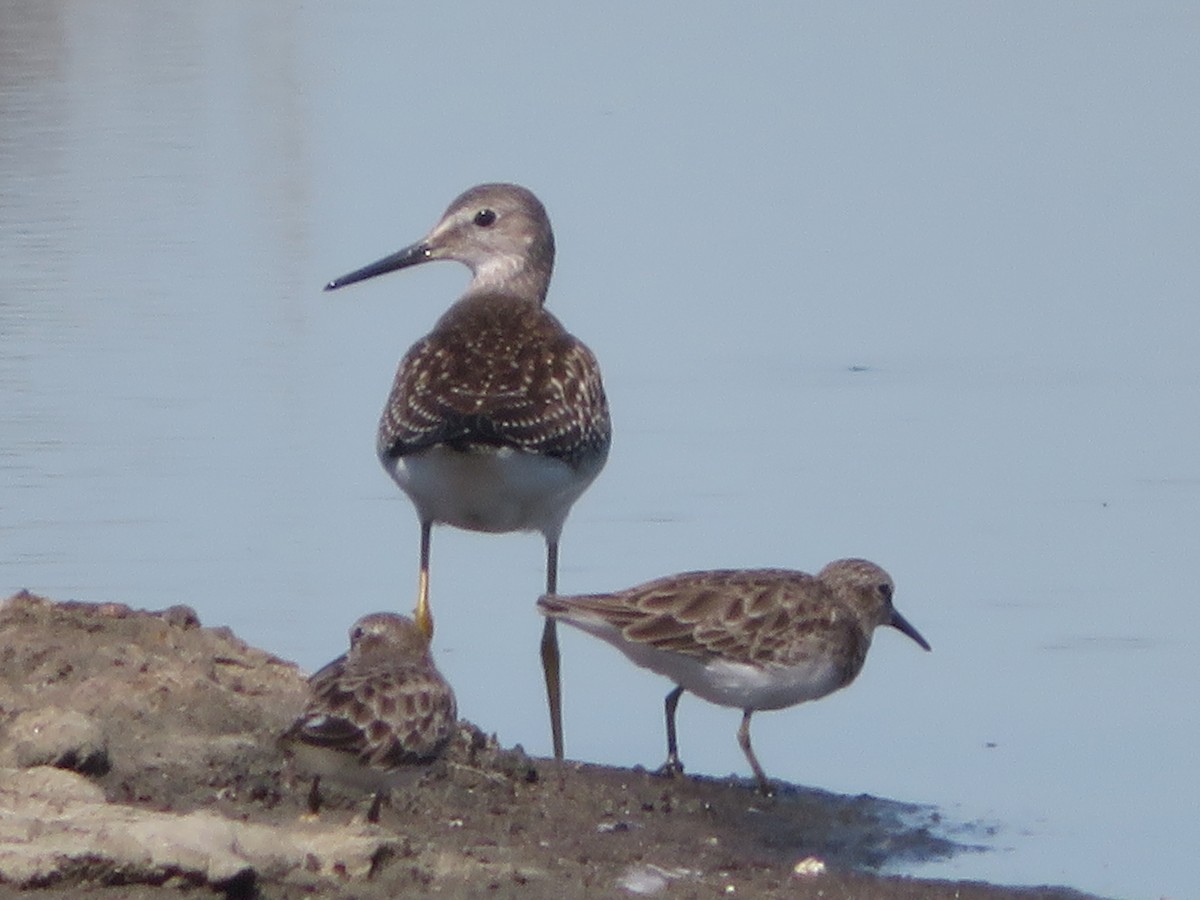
(901,624)
(409,256)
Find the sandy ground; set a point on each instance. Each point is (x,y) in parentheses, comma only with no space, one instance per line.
(138,758)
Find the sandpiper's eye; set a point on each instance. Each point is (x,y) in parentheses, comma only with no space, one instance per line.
(886,590)
(485,217)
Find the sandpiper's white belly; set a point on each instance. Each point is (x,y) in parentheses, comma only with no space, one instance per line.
(349,771)
(723,681)
(489,489)
(763,687)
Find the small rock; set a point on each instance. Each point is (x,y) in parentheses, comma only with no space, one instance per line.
(643,881)
(616,827)
(52,821)
(57,788)
(65,739)
(809,867)
(181,616)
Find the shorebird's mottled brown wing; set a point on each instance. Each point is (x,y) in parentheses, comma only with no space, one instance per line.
(502,372)
(387,718)
(323,683)
(761,616)
(329,719)
(421,714)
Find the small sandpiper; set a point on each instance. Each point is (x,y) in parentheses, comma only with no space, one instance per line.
(752,639)
(377,716)
(497,419)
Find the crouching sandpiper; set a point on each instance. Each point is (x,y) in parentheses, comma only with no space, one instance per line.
(377,716)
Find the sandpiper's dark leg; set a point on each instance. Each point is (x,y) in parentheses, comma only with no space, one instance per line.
(672,766)
(373,812)
(423,616)
(314,796)
(744,740)
(550,656)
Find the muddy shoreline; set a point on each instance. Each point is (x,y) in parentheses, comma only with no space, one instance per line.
(138,759)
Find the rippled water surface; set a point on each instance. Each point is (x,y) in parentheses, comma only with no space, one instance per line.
(914,285)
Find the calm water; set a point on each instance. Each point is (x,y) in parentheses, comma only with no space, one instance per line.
(916,286)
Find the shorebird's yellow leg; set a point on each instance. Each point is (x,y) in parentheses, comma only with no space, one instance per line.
(424,617)
(550,656)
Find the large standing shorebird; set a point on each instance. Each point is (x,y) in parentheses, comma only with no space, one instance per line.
(750,638)
(497,419)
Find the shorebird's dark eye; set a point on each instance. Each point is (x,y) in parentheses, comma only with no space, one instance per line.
(485,217)
(886,590)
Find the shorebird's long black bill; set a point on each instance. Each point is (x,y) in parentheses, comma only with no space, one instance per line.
(409,256)
(901,624)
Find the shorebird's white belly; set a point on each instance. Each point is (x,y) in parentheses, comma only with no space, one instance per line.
(349,771)
(763,687)
(725,682)
(490,489)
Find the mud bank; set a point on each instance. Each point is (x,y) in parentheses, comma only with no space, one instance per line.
(138,759)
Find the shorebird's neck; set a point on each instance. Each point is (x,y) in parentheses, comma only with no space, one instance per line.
(525,275)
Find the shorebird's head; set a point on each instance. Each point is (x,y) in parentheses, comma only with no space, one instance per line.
(867,589)
(388,635)
(499,231)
